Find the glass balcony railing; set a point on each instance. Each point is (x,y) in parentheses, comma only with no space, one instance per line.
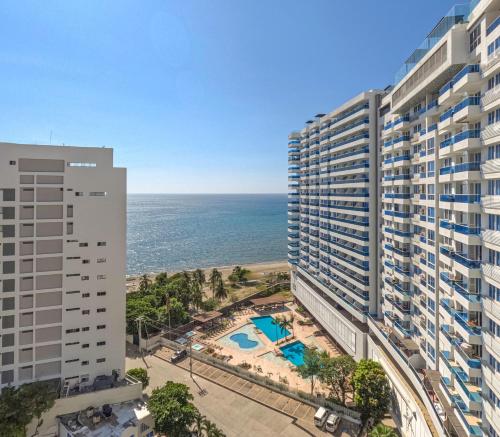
(461,319)
(432,104)
(447,87)
(397,232)
(397,177)
(397,195)
(472,68)
(399,214)
(468,101)
(460,198)
(493,26)
(396,159)
(401,119)
(466,166)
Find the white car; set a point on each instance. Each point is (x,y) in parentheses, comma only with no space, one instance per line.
(321,416)
(332,422)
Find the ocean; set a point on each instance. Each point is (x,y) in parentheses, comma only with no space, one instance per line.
(172,232)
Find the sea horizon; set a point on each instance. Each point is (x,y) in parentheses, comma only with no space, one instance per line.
(173,232)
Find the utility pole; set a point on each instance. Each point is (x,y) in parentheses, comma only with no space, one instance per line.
(139,322)
(191,357)
(167,305)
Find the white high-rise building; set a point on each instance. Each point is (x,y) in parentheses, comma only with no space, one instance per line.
(435,325)
(333,218)
(62,264)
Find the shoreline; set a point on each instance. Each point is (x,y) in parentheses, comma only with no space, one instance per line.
(258,268)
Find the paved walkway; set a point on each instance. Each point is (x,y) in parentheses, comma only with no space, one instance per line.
(302,414)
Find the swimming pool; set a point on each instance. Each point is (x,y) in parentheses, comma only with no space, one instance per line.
(294,352)
(243,338)
(273,332)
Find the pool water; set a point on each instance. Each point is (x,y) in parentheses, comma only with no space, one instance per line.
(243,338)
(243,341)
(294,352)
(272,332)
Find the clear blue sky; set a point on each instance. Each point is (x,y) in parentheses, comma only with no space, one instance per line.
(195,96)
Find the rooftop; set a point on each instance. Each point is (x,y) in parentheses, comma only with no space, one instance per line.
(94,423)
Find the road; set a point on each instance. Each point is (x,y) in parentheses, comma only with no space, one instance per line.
(235,414)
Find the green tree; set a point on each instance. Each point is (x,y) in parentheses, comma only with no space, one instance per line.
(199,425)
(140,306)
(285,324)
(214,280)
(172,409)
(277,323)
(220,291)
(210,304)
(144,283)
(383,431)
(312,365)
(211,430)
(19,406)
(371,390)
(178,314)
(140,374)
(161,279)
(337,374)
(199,277)
(196,295)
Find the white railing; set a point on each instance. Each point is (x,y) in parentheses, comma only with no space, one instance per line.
(492,237)
(490,131)
(490,96)
(491,166)
(490,201)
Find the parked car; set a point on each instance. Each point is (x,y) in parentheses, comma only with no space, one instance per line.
(332,422)
(178,356)
(321,416)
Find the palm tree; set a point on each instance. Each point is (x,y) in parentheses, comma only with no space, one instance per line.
(277,322)
(214,279)
(292,320)
(161,279)
(144,283)
(284,324)
(196,295)
(220,291)
(199,424)
(211,430)
(199,277)
(383,431)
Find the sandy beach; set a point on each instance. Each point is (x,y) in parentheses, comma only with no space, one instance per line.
(257,270)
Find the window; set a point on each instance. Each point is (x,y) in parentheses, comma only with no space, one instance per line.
(72,309)
(101,293)
(12,162)
(85,363)
(72,331)
(101,326)
(101,260)
(86,261)
(494,292)
(86,328)
(101,310)
(101,243)
(98,194)
(99,277)
(72,343)
(85,312)
(78,194)
(101,343)
(74,360)
(86,295)
(100,360)
(85,278)
(84,245)
(85,346)
(475,37)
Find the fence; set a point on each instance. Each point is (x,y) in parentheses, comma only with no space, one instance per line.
(346,413)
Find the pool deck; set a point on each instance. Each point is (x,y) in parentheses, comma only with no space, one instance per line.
(279,367)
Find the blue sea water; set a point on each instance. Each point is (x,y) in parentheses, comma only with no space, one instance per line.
(172,232)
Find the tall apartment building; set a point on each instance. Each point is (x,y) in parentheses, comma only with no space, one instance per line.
(435,325)
(62,264)
(333,218)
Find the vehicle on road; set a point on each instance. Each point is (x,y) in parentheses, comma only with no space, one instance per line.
(178,356)
(332,422)
(321,416)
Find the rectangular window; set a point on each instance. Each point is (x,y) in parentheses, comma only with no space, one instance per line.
(475,37)
(101,326)
(100,360)
(101,310)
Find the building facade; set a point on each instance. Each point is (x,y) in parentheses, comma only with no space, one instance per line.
(435,323)
(332,218)
(62,261)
